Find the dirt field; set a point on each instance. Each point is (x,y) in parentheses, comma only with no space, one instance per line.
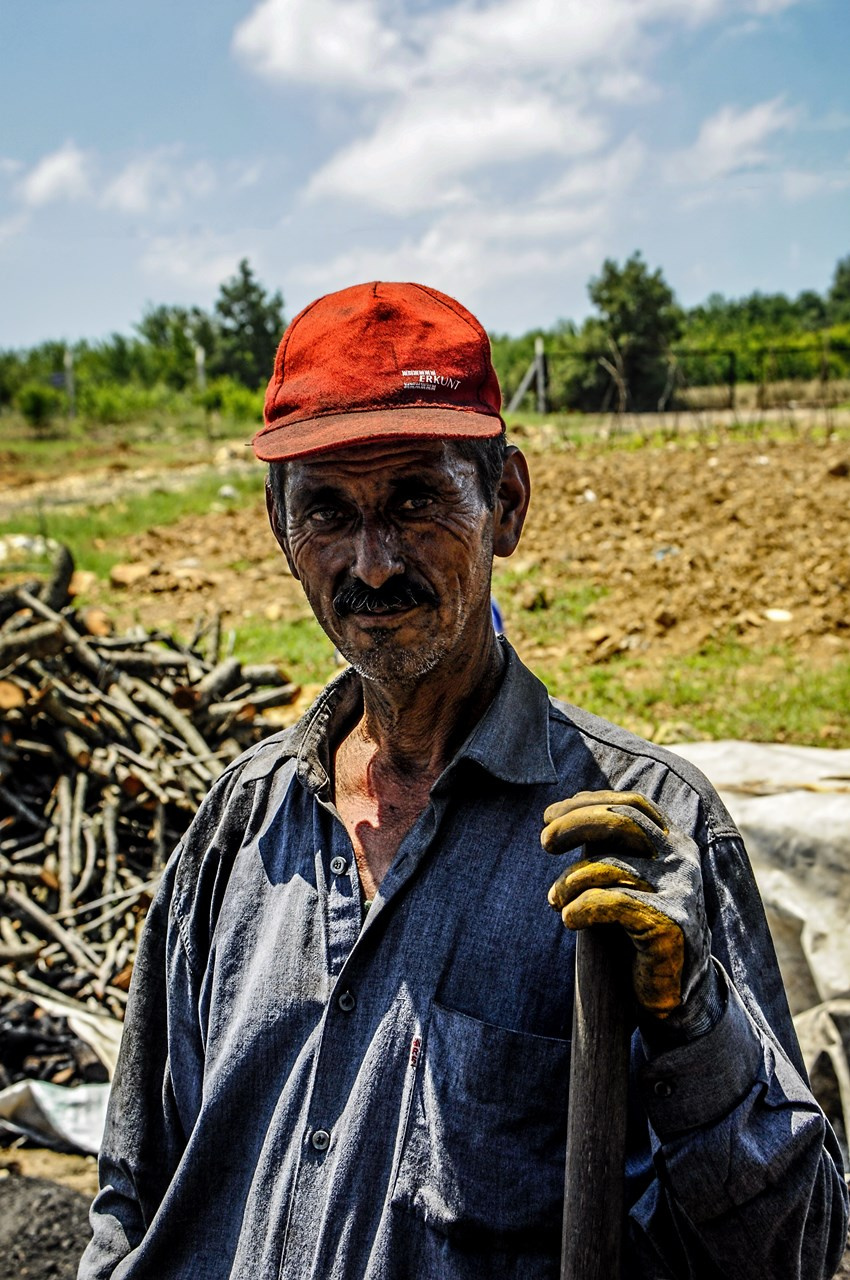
(43,1220)
(652,553)
(686,542)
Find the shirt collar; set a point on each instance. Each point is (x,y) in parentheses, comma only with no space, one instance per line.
(510,741)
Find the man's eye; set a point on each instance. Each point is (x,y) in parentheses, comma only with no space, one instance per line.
(324,515)
(421,502)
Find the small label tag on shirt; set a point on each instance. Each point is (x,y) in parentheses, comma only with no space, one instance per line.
(414,1051)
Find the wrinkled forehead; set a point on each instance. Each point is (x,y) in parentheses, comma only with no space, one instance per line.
(379,461)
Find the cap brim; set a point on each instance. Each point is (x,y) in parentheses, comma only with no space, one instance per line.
(281,442)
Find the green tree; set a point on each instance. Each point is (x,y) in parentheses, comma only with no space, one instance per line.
(39,403)
(838,298)
(249,324)
(810,310)
(172,335)
(640,319)
(11,376)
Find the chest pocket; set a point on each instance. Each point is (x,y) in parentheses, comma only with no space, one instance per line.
(482,1159)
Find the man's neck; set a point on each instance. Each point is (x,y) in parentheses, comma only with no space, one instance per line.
(413,731)
(385,766)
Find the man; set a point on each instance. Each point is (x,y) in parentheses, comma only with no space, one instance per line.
(347,1046)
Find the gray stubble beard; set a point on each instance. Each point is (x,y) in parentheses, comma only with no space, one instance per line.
(388,664)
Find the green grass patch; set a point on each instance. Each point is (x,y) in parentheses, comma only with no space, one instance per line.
(300,646)
(542,433)
(533,611)
(94,536)
(161,438)
(725,691)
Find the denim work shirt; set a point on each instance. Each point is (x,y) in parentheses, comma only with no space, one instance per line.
(303,1094)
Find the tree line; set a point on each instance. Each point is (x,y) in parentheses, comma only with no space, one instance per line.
(633,352)
(640,346)
(219,359)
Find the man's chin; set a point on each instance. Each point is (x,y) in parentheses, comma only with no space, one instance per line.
(394,664)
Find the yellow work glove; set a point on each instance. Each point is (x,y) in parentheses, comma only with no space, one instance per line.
(642,874)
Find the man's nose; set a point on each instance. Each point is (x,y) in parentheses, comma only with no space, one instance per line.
(377,556)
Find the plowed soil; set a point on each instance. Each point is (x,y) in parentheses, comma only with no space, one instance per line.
(683,544)
(43,1229)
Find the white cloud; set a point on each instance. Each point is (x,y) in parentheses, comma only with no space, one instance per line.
(63,175)
(765,8)
(804,184)
(154,183)
(452,256)
(200,260)
(157,182)
(454,94)
(418,154)
(343,43)
(247,175)
(375,45)
(625,87)
(610,175)
(12,227)
(798,184)
(531,35)
(731,141)
(480,246)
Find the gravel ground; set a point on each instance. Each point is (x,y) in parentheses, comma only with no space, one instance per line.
(43,1229)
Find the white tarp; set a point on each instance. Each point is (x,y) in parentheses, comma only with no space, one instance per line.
(55,1116)
(792,806)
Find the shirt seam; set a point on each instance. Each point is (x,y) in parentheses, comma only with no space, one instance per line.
(713,834)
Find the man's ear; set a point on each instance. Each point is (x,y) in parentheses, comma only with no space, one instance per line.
(274,521)
(511,503)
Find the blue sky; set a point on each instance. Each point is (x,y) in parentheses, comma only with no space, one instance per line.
(497,149)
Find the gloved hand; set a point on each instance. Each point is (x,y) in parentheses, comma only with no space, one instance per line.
(643,874)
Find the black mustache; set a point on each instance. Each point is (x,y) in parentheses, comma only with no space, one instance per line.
(396,593)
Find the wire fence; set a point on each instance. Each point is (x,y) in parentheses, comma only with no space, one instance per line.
(804,387)
(762,378)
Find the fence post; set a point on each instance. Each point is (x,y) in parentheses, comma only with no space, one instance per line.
(68,361)
(527,379)
(731,377)
(541,371)
(761,395)
(824,378)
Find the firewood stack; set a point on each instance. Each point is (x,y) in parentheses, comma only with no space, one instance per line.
(107,746)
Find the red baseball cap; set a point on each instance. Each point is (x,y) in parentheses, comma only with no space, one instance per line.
(379,360)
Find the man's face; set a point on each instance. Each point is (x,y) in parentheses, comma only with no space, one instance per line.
(393,545)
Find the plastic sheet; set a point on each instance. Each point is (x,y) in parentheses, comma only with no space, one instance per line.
(55,1116)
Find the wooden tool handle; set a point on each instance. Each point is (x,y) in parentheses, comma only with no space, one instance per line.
(596,1125)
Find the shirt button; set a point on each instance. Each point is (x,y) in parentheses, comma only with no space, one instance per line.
(321,1140)
(347,1001)
(339,866)
(663,1088)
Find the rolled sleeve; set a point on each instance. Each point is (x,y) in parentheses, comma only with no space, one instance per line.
(743,1154)
(696,1084)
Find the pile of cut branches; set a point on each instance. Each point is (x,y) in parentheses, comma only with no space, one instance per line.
(107,746)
